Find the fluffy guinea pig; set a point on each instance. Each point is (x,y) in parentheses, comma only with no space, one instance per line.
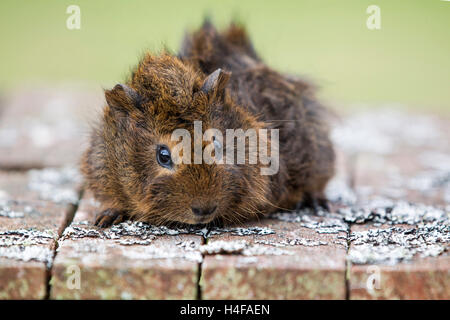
(220,96)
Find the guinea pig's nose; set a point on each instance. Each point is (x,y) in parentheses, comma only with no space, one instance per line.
(205,211)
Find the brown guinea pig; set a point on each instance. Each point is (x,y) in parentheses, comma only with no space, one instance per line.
(131,164)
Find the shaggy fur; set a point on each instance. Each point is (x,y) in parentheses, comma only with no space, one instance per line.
(165,93)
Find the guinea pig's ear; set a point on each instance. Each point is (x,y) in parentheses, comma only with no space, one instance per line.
(214,84)
(123,98)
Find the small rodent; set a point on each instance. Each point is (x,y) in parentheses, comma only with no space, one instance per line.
(218,79)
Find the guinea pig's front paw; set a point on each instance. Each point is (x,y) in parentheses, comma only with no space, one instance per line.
(110,217)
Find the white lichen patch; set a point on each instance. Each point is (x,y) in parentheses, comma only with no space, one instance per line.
(428,236)
(245,261)
(81,248)
(6,209)
(394,245)
(27,244)
(293,242)
(221,247)
(28,253)
(153,252)
(41,124)
(278,244)
(338,191)
(139,230)
(434,176)
(386,211)
(381,131)
(428,182)
(132,241)
(76,232)
(447,195)
(8,212)
(330,223)
(437,161)
(25,237)
(94,251)
(241,247)
(258,231)
(188,245)
(4,195)
(8,136)
(260,250)
(56,185)
(143,230)
(127,233)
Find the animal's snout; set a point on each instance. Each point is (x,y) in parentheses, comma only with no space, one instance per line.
(204,211)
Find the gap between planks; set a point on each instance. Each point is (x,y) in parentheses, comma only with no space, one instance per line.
(71,211)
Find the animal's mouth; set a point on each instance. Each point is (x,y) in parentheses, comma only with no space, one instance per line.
(202,220)
(195,220)
(205,220)
(204,213)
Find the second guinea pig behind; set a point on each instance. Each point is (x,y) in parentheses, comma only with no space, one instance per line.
(218,80)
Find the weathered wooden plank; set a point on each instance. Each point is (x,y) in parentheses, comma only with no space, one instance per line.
(291,262)
(399,155)
(22,280)
(29,228)
(44,127)
(402,232)
(128,261)
(410,175)
(57,185)
(406,262)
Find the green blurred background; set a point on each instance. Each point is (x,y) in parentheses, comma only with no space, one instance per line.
(406,62)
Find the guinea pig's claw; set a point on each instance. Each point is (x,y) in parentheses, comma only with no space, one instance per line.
(110,217)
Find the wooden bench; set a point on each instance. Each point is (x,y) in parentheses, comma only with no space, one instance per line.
(387,236)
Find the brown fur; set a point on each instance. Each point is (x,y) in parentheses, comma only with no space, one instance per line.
(165,93)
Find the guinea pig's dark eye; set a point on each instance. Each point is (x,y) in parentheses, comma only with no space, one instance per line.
(163,157)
